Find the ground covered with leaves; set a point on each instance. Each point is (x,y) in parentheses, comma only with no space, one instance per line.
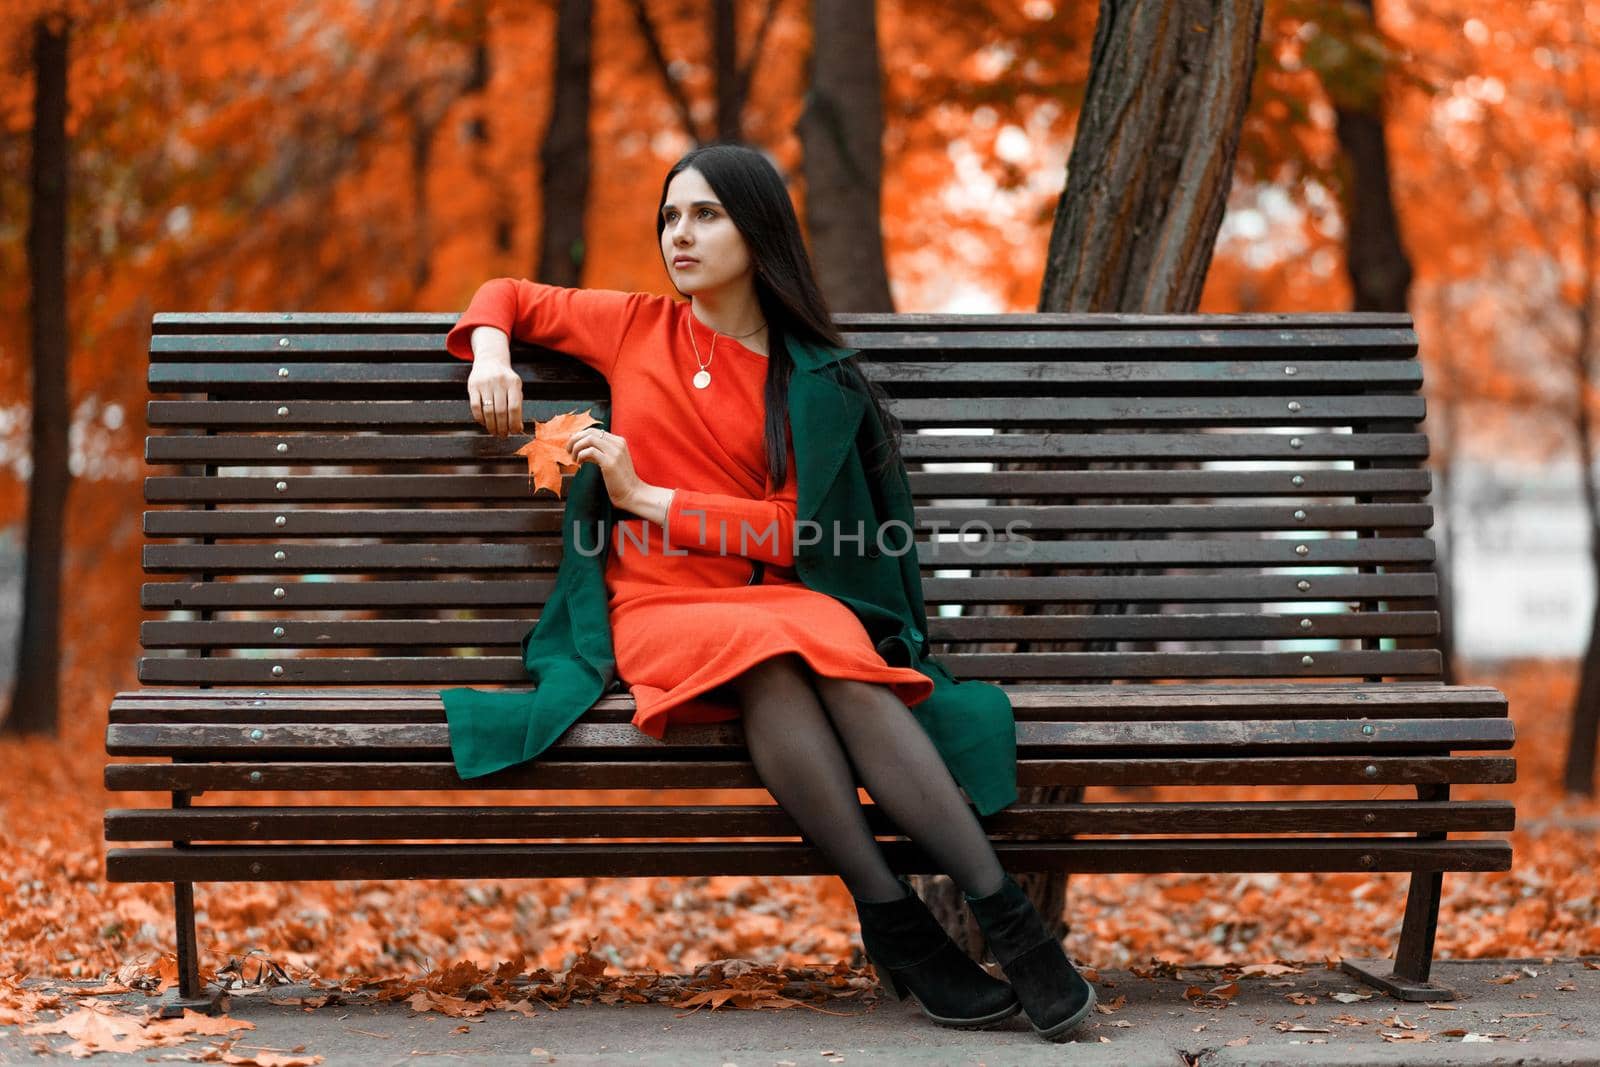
(60,919)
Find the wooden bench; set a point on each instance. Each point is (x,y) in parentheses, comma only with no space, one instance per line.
(1232,506)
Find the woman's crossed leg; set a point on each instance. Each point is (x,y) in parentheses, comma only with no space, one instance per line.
(804,732)
(804,767)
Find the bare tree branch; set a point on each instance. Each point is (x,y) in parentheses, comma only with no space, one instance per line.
(747,71)
(652,42)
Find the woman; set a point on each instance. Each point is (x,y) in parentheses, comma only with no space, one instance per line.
(708,617)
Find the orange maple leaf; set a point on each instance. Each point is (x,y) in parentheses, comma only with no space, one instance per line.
(547,455)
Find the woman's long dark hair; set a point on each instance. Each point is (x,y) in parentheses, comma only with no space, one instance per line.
(758,203)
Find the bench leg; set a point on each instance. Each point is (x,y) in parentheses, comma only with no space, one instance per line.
(190,994)
(1406,976)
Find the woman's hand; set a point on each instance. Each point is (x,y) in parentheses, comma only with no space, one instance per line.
(610,453)
(493,389)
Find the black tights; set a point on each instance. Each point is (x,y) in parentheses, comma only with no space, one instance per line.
(799,725)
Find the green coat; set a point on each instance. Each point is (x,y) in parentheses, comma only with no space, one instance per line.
(568,652)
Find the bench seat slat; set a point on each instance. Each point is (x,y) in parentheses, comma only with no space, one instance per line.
(740,774)
(262,740)
(1086,703)
(766,820)
(230,863)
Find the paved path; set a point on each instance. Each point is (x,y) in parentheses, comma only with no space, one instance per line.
(1549,1014)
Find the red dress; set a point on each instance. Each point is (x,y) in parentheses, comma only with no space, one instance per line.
(685,618)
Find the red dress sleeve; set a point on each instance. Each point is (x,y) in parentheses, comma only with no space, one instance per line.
(720,524)
(587,324)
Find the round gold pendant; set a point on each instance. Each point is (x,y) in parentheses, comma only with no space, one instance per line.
(702,379)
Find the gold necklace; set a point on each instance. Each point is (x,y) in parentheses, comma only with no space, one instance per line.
(702,377)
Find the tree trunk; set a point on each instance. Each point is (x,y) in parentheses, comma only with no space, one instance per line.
(36,698)
(841,131)
(1152,162)
(477,131)
(730,101)
(564,156)
(1375,257)
(1579,775)
(1376,260)
(1147,183)
(423,128)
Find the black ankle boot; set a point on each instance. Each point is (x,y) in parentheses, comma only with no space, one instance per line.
(912,954)
(1054,995)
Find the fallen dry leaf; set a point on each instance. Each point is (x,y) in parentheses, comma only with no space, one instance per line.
(547,454)
(1405,1035)
(1111,1006)
(98,1027)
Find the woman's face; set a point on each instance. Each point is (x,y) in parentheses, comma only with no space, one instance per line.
(703,249)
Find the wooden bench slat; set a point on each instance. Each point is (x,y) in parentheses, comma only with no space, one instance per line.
(239,448)
(482,521)
(1086,703)
(1306,342)
(1309,345)
(263,740)
(232,863)
(262,489)
(1051,412)
(1152,376)
(1303,551)
(334,670)
(491,592)
(1288,344)
(740,774)
(508,633)
(1336,323)
(1344,324)
(767,820)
